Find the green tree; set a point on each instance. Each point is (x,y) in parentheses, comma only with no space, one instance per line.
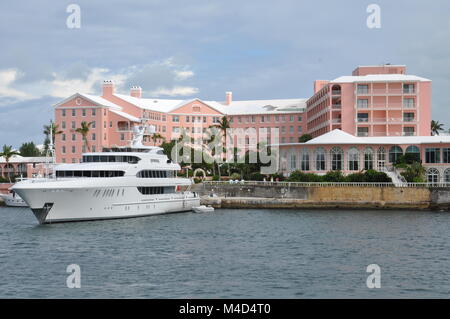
(167,147)
(414,173)
(84,131)
(223,125)
(156,137)
(436,127)
(304,138)
(54,128)
(29,150)
(7,152)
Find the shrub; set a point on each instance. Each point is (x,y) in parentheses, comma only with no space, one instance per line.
(256,177)
(304,138)
(299,176)
(334,176)
(373,176)
(407,158)
(414,173)
(277,175)
(235,176)
(355,178)
(216,178)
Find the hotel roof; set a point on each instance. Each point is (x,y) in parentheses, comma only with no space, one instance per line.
(340,137)
(265,106)
(158,105)
(93,98)
(20,159)
(379,78)
(235,108)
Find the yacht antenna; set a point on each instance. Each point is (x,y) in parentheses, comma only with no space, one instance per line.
(50,154)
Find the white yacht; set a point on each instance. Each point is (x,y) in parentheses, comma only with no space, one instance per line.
(120,182)
(13,200)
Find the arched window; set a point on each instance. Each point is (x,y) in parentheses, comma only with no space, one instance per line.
(394,153)
(381,158)
(293,161)
(353,159)
(320,159)
(305,160)
(368,158)
(337,156)
(414,151)
(283,161)
(447,175)
(336,89)
(433,175)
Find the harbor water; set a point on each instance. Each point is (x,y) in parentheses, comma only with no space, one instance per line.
(229,254)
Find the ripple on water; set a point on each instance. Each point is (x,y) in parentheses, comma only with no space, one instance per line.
(229,254)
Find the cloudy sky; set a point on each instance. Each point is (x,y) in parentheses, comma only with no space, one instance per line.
(202,48)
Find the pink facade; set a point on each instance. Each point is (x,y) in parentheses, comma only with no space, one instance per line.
(341,151)
(374,101)
(113,116)
(25,167)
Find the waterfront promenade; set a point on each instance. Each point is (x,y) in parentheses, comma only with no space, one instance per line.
(324,195)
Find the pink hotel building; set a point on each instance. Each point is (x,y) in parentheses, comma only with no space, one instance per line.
(358,122)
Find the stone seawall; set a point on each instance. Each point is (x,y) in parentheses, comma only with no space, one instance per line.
(352,197)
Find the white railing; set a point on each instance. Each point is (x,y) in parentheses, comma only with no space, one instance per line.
(384,91)
(325,184)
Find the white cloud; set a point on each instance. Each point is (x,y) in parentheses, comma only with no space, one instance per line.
(159,78)
(175,91)
(183,75)
(7,78)
(61,87)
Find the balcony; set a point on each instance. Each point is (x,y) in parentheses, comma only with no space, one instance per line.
(409,105)
(386,92)
(363,134)
(336,92)
(336,121)
(390,106)
(336,106)
(384,120)
(379,134)
(402,134)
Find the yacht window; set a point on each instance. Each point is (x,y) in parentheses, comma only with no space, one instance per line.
(156,190)
(154,174)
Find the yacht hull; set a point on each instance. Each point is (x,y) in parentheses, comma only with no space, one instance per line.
(13,201)
(77,204)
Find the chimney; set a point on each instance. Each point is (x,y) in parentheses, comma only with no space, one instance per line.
(108,88)
(229,98)
(136,91)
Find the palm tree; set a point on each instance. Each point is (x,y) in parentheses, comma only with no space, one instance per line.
(54,128)
(7,153)
(223,125)
(156,137)
(436,127)
(84,131)
(212,143)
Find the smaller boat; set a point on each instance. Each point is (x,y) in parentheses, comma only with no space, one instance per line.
(14,200)
(203,209)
